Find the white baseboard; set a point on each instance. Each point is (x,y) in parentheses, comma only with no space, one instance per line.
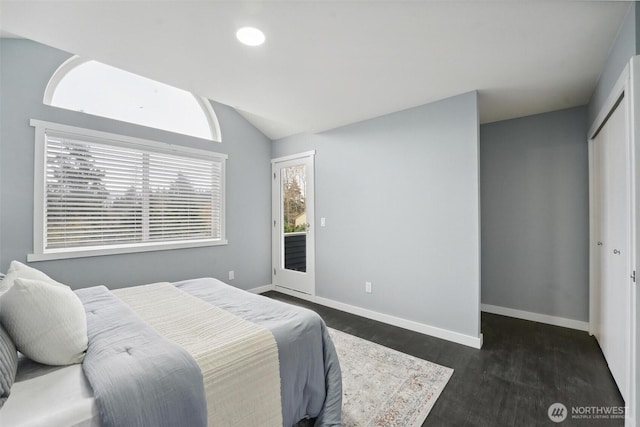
(536,317)
(468,340)
(262,289)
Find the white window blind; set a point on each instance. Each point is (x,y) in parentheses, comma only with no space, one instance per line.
(101,192)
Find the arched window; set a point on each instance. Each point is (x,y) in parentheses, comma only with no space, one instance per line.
(95,88)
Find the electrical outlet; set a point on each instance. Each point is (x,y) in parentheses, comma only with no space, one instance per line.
(232,275)
(367,287)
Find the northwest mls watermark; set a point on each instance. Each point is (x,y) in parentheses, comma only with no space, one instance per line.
(557,412)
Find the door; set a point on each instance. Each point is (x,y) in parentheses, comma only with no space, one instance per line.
(293,223)
(613,218)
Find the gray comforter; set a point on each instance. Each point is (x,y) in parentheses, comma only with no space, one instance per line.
(135,385)
(138,377)
(310,378)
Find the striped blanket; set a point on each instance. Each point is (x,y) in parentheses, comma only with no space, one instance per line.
(238,359)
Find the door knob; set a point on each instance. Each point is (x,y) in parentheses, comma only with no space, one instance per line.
(599,243)
(617,252)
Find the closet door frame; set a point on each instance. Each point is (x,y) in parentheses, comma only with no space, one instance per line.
(628,86)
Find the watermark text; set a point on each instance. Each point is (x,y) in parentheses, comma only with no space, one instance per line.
(558,412)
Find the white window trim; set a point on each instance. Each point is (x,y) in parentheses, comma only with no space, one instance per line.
(76,61)
(40,185)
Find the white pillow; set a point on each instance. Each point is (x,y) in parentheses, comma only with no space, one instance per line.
(47,323)
(19,270)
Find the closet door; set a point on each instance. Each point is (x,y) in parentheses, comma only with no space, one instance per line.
(611,165)
(598,214)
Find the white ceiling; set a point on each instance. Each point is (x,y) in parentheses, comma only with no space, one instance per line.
(331,63)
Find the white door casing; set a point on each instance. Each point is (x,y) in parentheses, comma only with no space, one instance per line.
(295,274)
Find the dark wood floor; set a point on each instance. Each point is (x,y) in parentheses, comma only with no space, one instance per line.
(522,368)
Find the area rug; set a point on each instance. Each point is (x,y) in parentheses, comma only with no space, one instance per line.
(383,387)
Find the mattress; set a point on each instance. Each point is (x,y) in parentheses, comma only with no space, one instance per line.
(50,396)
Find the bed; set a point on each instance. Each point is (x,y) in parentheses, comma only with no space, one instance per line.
(233,358)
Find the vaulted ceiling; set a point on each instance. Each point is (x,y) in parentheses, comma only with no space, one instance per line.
(329,63)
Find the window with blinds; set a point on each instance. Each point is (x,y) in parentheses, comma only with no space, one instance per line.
(105,193)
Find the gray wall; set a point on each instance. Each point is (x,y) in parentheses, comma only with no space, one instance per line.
(625,46)
(25,70)
(535,214)
(400,195)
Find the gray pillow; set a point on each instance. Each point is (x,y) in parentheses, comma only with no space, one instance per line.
(8,365)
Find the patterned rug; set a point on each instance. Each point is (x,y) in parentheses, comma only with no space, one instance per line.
(383,387)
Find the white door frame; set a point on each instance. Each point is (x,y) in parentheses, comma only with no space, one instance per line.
(626,85)
(634,113)
(280,277)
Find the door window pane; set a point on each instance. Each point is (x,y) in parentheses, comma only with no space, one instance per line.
(294,218)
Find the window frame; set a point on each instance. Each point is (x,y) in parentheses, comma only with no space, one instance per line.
(40,193)
(76,61)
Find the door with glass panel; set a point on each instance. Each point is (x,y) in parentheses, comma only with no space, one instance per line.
(293,223)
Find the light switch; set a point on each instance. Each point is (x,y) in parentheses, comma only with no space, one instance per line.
(323,222)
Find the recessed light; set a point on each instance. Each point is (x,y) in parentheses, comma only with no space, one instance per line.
(250,36)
